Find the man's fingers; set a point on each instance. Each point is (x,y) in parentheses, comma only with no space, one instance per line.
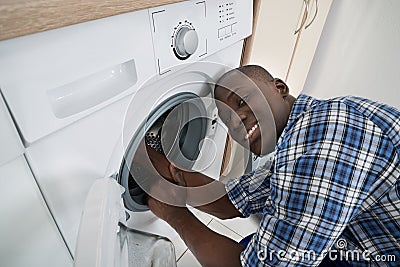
(177,175)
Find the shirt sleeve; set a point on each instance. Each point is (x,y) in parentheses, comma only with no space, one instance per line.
(316,190)
(250,192)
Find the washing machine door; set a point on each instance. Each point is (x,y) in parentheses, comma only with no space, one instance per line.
(104,240)
(181,137)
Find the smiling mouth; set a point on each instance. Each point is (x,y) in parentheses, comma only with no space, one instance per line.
(251,131)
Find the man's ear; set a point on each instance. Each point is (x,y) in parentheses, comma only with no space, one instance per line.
(281,86)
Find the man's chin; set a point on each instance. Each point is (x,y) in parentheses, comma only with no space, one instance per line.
(262,150)
(255,148)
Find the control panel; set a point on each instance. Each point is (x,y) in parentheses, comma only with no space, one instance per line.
(192,30)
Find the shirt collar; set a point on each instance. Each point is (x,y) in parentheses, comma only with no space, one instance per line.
(301,105)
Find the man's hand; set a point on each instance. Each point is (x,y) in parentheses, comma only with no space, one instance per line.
(151,160)
(169,204)
(160,162)
(175,197)
(210,248)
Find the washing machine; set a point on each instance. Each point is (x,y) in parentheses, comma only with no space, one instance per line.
(83,97)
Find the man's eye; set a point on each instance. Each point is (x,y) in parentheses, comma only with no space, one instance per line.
(243,101)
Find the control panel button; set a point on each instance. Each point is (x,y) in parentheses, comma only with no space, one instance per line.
(221,32)
(186,42)
(228,29)
(234,27)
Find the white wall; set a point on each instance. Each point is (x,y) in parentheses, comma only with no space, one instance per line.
(359,52)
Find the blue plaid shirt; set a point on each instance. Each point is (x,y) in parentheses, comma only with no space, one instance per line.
(334,186)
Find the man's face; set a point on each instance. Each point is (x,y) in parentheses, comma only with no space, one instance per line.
(243,108)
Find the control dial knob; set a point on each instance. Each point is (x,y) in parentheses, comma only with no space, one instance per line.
(186,42)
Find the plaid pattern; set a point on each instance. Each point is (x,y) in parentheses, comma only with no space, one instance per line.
(334,184)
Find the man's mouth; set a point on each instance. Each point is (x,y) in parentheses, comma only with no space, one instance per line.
(251,131)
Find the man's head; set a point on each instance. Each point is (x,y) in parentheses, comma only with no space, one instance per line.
(254,106)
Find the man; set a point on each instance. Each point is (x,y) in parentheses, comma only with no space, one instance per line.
(334,183)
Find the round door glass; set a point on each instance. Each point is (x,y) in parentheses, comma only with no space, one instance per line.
(175,128)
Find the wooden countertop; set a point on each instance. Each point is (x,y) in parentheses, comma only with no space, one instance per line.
(22,17)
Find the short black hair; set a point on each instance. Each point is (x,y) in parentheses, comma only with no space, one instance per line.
(254,72)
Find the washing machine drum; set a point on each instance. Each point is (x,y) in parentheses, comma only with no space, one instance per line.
(176,129)
(178,132)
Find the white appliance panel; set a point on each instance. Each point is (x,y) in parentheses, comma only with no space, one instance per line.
(29,236)
(53,78)
(10,143)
